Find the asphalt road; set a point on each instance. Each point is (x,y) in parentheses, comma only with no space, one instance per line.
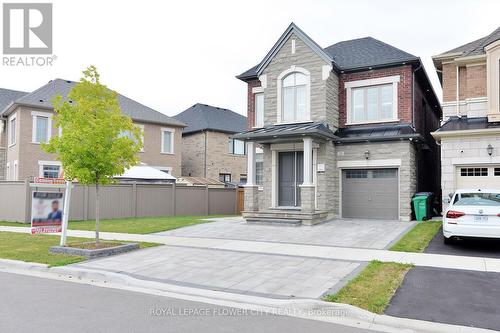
(466,247)
(29,304)
(449,296)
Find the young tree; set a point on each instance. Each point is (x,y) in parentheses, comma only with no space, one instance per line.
(97,141)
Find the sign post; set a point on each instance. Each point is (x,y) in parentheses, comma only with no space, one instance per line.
(65,217)
(46,213)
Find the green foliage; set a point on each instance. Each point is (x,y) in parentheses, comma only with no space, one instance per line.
(92,147)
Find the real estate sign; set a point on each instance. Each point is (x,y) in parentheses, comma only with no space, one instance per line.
(46,212)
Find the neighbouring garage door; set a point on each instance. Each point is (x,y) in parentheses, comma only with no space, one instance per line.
(475,177)
(370,193)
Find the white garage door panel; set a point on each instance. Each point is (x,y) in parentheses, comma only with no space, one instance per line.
(478,177)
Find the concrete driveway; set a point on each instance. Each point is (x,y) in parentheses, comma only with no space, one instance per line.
(264,274)
(449,296)
(372,234)
(468,247)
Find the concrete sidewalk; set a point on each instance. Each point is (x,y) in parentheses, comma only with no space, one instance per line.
(299,250)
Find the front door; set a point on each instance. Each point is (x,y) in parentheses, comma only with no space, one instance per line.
(290,176)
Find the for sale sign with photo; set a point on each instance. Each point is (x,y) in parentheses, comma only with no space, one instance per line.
(46,212)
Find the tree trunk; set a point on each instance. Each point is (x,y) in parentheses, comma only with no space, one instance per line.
(97,220)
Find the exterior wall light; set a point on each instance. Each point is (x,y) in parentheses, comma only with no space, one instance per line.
(489,149)
(367,154)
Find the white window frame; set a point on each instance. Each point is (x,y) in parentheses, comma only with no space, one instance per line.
(279,102)
(41,164)
(9,126)
(172,131)
(34,115)
(394,80)
(255,109)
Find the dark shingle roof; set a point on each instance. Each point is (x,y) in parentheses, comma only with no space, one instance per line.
(476,47)
(42,97)
(201,117)
(357,54)
(7,96)
(366,52)
(273,132)
(463,124)
(376,133)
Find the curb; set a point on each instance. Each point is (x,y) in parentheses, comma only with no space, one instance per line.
(311,309)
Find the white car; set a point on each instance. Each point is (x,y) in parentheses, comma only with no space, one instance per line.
(472,213)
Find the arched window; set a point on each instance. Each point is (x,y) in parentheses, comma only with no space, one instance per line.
(294,97)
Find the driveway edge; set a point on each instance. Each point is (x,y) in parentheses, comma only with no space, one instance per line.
(338,313)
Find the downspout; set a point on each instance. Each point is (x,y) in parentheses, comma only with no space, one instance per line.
(413,117)
(458,91)
(205,156)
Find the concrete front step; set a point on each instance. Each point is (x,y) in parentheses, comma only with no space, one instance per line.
(285,217)
(273,221)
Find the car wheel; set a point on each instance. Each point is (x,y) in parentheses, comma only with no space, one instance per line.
(447,241)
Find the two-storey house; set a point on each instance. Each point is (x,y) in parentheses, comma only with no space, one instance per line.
(470,133)
(208,150)
(27,122)
(341,131)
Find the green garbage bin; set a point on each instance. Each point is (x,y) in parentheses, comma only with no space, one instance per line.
(420,207)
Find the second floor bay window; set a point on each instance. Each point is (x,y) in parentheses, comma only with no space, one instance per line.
(294,97)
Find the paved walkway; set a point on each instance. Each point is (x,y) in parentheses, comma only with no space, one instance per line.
(370,234)
(301,250)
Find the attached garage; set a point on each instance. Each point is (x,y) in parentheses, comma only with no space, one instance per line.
(478,176)
(370,193)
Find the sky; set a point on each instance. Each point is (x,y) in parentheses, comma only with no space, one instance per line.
(170,55)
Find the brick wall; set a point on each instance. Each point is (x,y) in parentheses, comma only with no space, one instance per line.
(251,103)
(472,82)
(404,90)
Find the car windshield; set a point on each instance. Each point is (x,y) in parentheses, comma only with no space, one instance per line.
(477,199)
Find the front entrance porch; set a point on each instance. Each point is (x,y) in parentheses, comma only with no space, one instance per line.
(288,194)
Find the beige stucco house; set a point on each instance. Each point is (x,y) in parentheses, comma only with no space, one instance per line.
(26,120)
(208,150)
(470,131)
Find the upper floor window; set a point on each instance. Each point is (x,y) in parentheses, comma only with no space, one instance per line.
(236,147)
(12,131)
(167,141)
(259,110)
(42,127)
(372,100)
(294,97)
(131,136)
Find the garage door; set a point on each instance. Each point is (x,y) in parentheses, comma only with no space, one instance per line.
(475,177)
(370,193)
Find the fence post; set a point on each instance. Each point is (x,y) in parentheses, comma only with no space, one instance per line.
(134,199)
(27,207)
(236,196)
(174,193)
(207,203)
(85,202)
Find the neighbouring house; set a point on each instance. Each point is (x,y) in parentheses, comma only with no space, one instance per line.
(26,120)
(208,150)
(341,131)
(200,181)
(470,131)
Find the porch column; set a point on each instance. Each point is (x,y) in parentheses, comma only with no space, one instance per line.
(251,188)
(307,191)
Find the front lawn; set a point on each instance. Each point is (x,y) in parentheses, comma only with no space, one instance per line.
(373,288)
(140,225)
(35,248)
(417,239)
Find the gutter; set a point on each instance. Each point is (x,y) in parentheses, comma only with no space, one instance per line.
(382,138)
(460,133)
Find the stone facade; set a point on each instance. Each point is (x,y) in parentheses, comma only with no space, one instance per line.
(26,154)
(206,154)
(403,150)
